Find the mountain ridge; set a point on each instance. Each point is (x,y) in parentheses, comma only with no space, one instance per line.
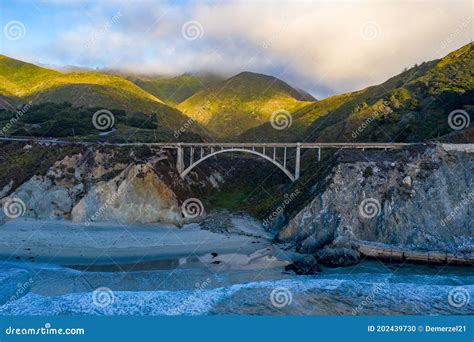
(411,106)
(241,102)
(22,82)
(173,89)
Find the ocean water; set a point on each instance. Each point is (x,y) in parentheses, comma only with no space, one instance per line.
(370,288)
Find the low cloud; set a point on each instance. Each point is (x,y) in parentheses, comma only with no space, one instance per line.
(325,47)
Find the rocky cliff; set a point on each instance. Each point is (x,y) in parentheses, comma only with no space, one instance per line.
(136,195)
(416,199)
(99,184)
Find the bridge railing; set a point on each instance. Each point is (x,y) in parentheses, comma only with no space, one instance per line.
(214,144)
(266,150)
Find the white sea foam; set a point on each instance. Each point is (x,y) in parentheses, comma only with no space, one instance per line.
(201,302)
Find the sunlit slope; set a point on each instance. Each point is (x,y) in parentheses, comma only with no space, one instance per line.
(242,102)
(24,79)
(22,82)
(174,90)
(412,106)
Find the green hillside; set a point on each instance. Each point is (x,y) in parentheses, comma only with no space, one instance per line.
(412,106)
(242,102)
(174,90)
(24,79)
(22,82)
(63,120)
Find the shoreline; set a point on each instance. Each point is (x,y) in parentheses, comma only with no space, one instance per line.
(108,245)
(67,243)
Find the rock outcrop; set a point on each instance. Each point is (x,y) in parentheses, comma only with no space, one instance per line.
(136,195)
(106,184)
(45,199)
(420,198)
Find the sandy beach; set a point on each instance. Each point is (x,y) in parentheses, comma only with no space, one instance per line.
(56,268)
(63,242)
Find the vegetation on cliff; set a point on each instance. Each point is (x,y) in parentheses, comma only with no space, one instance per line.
(22,83)
(412,106)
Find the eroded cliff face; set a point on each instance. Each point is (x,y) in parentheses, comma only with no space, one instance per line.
(55,193)
(104,185)
(136,195)
(420,198)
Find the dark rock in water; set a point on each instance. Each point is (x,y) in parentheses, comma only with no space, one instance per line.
(306,265)
(214,254)
(336,257)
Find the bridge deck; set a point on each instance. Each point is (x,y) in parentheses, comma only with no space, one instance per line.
(203,151)
(218,145)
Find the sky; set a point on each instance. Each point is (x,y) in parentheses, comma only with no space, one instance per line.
(324,47)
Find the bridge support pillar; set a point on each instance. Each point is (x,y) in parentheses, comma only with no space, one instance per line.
(297,161)
(180,159)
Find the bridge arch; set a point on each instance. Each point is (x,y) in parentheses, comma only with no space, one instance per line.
(274,162)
